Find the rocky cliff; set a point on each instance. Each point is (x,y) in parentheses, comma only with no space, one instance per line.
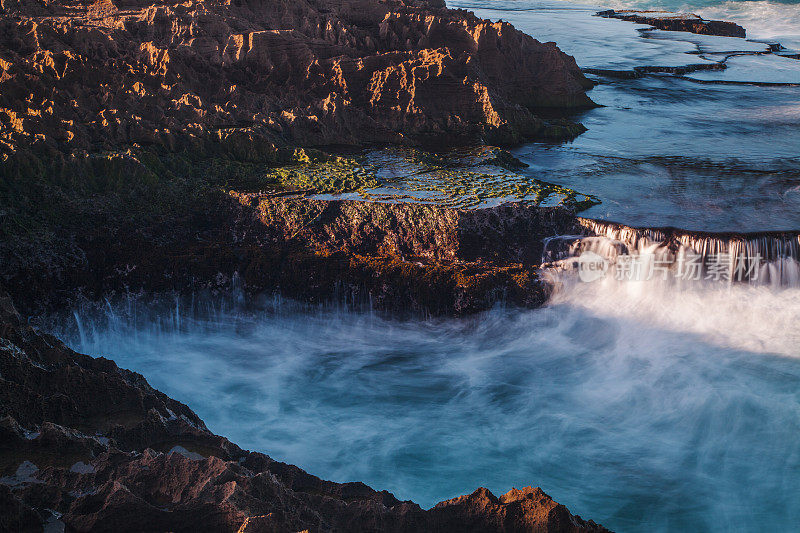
(249,75)
(87,446)
(125,114)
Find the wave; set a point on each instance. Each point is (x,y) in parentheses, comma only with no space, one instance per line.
(756,319)
(612,393)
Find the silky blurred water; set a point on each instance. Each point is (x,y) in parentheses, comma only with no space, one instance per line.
(643,408)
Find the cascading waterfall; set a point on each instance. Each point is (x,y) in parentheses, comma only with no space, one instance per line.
(769,258)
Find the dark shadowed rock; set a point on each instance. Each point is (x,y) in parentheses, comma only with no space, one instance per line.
(402,257)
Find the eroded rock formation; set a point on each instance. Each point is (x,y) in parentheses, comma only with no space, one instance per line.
(91,447)
(106,108)
(79,76)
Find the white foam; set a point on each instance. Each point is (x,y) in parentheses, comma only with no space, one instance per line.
(739,316)
(762,19)
(664,15)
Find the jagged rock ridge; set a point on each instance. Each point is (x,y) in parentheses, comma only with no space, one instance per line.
(665,20)
(79,76)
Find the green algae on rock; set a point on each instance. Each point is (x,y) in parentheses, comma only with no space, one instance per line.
(463,178)
(337,175)
(460,178)
(470,189)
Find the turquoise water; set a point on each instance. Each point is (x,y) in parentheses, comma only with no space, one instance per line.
(644,409)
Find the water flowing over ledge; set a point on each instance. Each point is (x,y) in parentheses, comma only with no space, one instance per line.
(633,375)
(763,258)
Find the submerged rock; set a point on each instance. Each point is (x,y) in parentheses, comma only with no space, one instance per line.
(87,446)
(666,20)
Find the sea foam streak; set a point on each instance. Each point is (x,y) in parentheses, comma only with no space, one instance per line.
(763,19)
(757,319)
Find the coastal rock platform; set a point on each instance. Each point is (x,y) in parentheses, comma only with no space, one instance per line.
(397,257)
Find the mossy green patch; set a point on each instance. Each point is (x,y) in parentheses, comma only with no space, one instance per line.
(336,175)
(464,178)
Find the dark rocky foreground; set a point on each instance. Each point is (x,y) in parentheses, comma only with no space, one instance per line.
(677,22)
(91,447)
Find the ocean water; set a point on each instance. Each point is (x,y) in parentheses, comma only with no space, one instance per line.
(775,20)
(697,151)
(645,406)
(770,20)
